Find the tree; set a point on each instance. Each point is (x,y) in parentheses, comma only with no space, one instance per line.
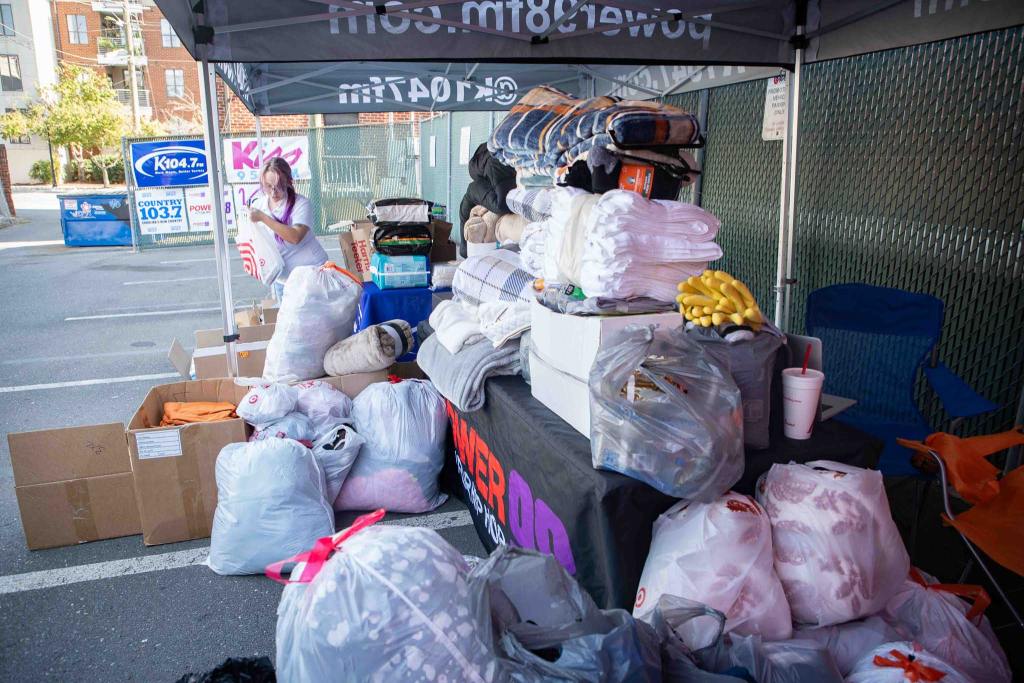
(80,112)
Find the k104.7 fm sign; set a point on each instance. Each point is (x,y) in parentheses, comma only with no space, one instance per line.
(179,163)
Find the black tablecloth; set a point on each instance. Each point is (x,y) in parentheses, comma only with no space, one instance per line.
(527,478)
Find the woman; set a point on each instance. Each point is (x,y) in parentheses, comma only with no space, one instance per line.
(289,215)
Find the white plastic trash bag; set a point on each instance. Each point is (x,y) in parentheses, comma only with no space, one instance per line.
(848,642)
(837,549)
(900,662)
(719,554)
(325,406)
(929,613)
(318,310)
(267,402)
(270,505)
(404,426)
(392,605)
(664,412)
(336,452)
(294,426)
(255,242)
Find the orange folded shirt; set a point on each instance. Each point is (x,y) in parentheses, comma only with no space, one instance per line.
(176,414)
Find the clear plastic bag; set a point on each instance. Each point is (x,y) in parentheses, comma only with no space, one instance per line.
(900,662)
(549,629)
(930,613)
(664,412)
(393,605)
(848,642)
(325,406)
(318,310)
(719,553)
(294,426)
(336,451)
(404,425)
(837,549)
(270,505)
(266,402)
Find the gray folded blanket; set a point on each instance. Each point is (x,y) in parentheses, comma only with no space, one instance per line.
(460,377)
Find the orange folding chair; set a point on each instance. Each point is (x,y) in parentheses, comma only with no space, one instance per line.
(993,523)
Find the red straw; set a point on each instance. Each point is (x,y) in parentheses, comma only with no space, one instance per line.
(807,359)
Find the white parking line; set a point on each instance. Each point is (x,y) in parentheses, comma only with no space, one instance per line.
(180,279)
(53,578)
(141,314)
(87,382)
(80,356)
(211,260)
(40,243)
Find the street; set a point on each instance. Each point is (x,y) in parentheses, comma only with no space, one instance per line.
(86,335)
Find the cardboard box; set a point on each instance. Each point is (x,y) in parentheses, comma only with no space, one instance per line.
(210,356)
(352,384)
(569,343)
(357,248)
(248,316)
(268,311)
(563,349)
(74,485)
(566,396)
(443,248)
(173,467)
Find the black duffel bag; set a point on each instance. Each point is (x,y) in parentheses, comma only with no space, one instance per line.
(403,240)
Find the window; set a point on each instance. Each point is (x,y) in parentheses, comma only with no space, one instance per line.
(7,17)
(340,119)
(10,73)
(175,82)
(77,34)
(167,34)
(22,140)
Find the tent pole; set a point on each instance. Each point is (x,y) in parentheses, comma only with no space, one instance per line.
(259,142)
(702,120)
(791,199)
(780,263)
(220,236)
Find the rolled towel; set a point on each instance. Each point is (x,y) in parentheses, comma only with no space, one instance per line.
(375,348)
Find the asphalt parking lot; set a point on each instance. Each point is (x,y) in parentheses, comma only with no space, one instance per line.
(85,335)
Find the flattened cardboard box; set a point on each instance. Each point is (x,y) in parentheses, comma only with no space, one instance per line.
(173,467)
(74,485)
(210,359)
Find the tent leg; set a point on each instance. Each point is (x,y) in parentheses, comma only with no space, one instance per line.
(259,141)
(794,125)
(211,136)
(787,196)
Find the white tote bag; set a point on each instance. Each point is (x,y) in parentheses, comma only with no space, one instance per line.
(260,257)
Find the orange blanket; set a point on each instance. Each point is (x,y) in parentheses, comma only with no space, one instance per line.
(176,414)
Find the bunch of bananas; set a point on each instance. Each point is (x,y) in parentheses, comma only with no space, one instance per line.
(717,298)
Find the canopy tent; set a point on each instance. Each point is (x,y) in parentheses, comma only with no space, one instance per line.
(328,56)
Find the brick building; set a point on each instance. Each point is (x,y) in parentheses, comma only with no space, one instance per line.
(93,34)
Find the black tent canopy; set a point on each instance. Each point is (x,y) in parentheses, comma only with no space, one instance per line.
(335,56)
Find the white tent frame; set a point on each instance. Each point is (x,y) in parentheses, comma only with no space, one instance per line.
(789,182)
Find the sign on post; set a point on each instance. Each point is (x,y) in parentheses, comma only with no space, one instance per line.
(161,211)
(169,163)
(242,159)
(776,109)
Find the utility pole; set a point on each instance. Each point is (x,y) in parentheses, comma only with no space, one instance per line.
(133,86)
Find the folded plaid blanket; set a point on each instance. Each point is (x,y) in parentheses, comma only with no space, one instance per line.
(495,276)
(532,204)
(549,129)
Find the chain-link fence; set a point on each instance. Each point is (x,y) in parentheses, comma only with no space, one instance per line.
(348,167)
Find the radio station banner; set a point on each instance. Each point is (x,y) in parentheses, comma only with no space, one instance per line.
(169,163)
(161,211)
(242,159)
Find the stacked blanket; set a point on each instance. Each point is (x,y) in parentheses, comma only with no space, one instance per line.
(460,377)
(533,204)
(619,245)
(549,129)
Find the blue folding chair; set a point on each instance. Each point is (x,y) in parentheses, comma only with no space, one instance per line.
(874,342)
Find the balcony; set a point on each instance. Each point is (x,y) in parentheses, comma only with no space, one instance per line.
(112,50)
(124,96)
